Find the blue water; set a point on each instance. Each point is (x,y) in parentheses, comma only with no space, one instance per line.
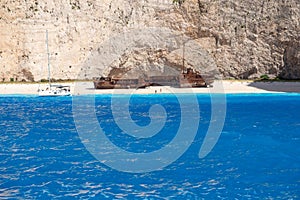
(256,157)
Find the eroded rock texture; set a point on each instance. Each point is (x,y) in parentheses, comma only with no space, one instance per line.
(239,39)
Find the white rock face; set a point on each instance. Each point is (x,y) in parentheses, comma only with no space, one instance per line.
(241,39)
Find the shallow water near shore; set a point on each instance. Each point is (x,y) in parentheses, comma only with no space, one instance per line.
(256,156)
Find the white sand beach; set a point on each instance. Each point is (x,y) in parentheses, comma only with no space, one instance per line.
(226,86)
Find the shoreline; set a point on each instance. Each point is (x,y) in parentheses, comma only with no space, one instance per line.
(225,86)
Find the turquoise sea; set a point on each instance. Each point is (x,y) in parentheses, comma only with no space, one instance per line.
(42,155)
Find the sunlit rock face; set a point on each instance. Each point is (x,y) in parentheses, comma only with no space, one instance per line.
(234,39)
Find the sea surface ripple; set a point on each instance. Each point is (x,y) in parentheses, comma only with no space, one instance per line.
(256,157)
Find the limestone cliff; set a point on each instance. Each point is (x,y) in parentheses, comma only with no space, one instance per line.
(243,39)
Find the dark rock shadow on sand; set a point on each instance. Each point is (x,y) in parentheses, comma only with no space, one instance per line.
(277,86)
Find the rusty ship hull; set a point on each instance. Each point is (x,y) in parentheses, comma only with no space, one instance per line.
(186,79)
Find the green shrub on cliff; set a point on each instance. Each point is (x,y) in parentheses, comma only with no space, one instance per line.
(178,1)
